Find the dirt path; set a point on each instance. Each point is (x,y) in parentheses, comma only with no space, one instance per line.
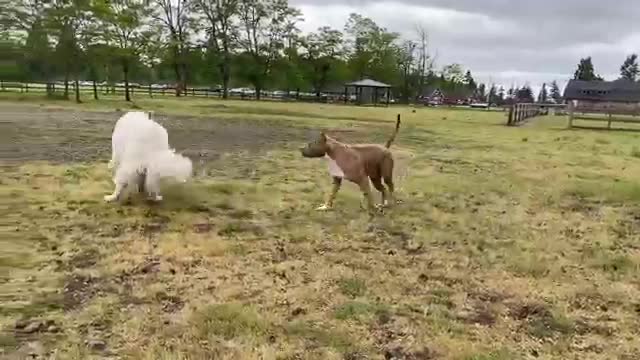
(29,133)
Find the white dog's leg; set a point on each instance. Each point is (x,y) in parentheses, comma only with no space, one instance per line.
(116,192)
(112,163)
(152,185)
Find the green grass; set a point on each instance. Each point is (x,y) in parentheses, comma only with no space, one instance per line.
(501,248)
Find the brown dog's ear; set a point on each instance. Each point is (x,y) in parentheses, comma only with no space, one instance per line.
(323,136)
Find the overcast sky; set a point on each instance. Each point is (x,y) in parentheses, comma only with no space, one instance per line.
(505,41)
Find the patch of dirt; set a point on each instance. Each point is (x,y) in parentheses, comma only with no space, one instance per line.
(479,313)
(538,320)
(488,296)
(531,310)
(60,135)
(78,289)
(399,353)
(170,303)
(82,260)
(31,326)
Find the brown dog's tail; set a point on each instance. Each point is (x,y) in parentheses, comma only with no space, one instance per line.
(393,136)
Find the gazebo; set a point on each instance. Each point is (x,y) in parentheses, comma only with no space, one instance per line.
(367,89)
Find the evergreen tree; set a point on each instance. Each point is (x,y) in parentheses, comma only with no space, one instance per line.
(629,69)
(555,93)
(586,71)
(468,79)
(525,94)
(543,95)
(481,92)
(501,95)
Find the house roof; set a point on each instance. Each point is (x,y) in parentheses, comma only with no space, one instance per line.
(615,91)
(458,93)
(368,83)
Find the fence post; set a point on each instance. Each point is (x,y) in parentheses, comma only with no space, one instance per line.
(150,92)
(570,114)
(609,122)
(510,116)
(1,85)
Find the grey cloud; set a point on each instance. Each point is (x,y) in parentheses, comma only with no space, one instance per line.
(543,36)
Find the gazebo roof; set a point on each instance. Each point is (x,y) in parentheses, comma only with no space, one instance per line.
(368,83)
(615,91)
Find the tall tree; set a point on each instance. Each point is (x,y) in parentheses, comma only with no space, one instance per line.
(174,18)
(525,94)
(555,93)
(454,74)
(586,71)
(481,92)
(322,50)
(28,16)
(124,28)
(543,96)
(265,25)
(425,61)
(501,96)
(222,33)
(373,51)
(406,58)
(629,69)
(469,81)
(68,21)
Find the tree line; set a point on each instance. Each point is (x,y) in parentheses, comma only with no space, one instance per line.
(214,42)
(629,70)
(223,43)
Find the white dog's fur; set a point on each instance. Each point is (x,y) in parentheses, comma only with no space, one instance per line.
(140,154)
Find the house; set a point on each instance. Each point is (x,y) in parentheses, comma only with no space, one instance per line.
(438,96)
(618,97)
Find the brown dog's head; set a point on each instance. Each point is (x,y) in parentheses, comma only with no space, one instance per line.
(317,148)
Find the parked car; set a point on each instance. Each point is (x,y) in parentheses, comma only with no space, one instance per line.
(242,91)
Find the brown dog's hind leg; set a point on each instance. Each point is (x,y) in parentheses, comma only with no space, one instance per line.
(366,191)
(337,183)
(377,183)
(387,174)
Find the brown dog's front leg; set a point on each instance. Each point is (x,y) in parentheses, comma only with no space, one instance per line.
(337,183)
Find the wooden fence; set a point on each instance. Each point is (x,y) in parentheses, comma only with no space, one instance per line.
(520,112)
(604,111)
(153,91)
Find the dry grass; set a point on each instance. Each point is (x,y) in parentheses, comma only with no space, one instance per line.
(510,243)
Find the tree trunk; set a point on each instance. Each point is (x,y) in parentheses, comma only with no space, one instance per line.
(66,85)
(77,84)
(185,76)
(176,69)
(95,89)
(258,91)
(125,72)
(226,75)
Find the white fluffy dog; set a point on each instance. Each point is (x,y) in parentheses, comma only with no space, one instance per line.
(141,156)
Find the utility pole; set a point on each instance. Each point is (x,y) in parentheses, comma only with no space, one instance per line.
(489,94)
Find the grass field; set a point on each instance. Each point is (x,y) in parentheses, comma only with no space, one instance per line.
(509,243)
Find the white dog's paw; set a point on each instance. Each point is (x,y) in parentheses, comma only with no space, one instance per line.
(155,197)
(110,198)
(323,207)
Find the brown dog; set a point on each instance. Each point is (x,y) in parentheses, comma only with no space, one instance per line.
(357,163)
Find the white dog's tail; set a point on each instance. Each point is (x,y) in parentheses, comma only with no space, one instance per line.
(168,164)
